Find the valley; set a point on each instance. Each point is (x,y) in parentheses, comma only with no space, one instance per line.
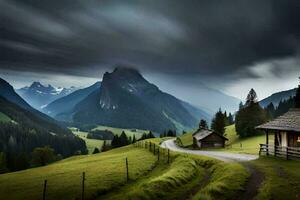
(150,100)
(81,159)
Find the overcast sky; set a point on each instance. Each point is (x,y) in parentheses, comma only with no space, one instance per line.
(229,45)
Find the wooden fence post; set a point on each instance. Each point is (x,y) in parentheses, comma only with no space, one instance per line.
(154,149)
(83,180)
(287,153)
(45,188)
(127,172)
(168,156)
(158,154)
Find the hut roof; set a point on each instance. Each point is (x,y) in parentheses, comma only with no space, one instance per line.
(290,121)
(203,133)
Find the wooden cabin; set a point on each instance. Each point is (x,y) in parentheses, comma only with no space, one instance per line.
(204,138)
(286,131)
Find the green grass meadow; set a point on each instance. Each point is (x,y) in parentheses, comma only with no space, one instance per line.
(117,131)
(91,144)
(104,172)
(186,176)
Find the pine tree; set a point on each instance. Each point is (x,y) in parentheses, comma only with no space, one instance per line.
(115,142)
(96,150)
(250,116)
(230,119)
(123,139)
(203,124)
(150,135)
(133,139)
(270,109)
(241,106)
(218,123)
(251,97)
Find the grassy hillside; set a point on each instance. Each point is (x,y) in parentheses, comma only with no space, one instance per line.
(104,171)
(186,175)
(282,178)
(4,118)
(244,145)
(91,144)
(185,140)
(94,143)
(117,131)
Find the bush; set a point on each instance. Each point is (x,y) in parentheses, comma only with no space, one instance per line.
(42,156)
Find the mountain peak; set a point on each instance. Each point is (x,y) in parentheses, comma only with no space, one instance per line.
(36,84)
(124,74)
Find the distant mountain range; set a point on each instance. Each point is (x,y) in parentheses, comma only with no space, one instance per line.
(9,96)
(277,97)
(126,100)
(38,95)
(30,128)
(67,103)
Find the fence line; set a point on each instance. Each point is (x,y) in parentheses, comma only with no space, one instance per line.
(162,154)
(292,153)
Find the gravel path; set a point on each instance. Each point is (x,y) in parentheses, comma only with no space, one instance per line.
(224,156)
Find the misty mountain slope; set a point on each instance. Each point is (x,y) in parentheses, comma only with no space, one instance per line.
(38,95)
(127,100)
(277,97)
(67,103)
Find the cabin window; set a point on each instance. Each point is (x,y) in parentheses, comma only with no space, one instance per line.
(298,139)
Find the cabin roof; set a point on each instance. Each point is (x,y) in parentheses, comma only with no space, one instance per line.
(290,121)
(203,133)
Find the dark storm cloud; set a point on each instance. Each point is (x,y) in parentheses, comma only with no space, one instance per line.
(179,37)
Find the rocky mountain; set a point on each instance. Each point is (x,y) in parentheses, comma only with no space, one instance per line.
(126,100)
(67,103)
(277,97)
(38,95)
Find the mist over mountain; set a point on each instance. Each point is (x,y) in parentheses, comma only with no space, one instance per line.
(38,95)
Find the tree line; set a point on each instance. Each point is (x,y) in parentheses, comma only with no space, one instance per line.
(17,142)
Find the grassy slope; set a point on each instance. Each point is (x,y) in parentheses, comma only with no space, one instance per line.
(118,131)
(282,179)
(103,172)
(91,144)
(105,177)
(94,143)
(4,118)
(244,145)
(186,140)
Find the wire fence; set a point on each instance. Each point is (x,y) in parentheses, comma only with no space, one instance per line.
(163,155)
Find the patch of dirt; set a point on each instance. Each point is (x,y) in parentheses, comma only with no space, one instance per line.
(253,184)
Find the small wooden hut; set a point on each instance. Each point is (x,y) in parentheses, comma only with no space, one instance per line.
(286,130)
(204,138)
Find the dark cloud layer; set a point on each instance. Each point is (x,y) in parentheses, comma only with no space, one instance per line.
(172,36)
